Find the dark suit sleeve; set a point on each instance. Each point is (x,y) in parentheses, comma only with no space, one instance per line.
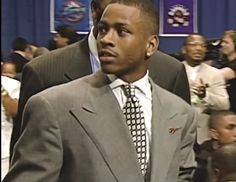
(30,85)
(38,154)
(181,87)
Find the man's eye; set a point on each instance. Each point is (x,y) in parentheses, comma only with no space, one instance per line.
(122,31)
(101,29)
(231,126)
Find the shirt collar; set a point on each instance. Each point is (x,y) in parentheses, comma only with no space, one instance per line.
(142,84)
(192,68)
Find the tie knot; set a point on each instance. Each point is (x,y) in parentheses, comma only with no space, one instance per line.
(129,90)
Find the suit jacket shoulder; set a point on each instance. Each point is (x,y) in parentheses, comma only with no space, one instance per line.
(170,74)
(70,62)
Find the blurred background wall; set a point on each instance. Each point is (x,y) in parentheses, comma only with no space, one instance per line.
(31,19)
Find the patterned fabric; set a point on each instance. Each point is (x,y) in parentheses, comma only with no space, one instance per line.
(135,120)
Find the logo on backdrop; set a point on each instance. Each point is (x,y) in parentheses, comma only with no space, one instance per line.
(73,11)
(178,15)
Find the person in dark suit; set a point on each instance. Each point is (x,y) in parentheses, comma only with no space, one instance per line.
(21,53)
(223,165)
(82,129)
(81,59)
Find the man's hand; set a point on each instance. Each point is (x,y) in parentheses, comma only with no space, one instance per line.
(200,89)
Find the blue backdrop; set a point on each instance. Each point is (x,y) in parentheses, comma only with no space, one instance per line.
(31,20)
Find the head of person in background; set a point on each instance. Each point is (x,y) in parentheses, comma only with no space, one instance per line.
(223,164)
(40,51)
(228,44)
(23,47)
(8,69)
(194,49)
(65,35)
(222,127)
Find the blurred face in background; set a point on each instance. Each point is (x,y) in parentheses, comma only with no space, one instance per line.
(8,69)
(227,44)
(194,49)
(60,41)
(225,130)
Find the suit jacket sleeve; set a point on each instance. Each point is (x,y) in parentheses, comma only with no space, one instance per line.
(216,95)
(40,143)
(30,85)
(187,161)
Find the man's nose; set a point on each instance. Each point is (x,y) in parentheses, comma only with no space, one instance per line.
(108,38)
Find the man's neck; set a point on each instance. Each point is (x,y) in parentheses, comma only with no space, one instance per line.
(193,64)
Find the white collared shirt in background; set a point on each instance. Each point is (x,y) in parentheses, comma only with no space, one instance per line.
(94,60)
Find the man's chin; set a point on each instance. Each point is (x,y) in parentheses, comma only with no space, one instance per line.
(107,70)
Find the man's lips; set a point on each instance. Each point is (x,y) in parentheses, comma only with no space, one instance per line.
(106,55)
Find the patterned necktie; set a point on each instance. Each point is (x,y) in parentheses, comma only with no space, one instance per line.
(135,120)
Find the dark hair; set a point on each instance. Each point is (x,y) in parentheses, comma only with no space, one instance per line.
(19,44)
(69,32)
(216,116)
(191,35)
(224,160)
(147,10)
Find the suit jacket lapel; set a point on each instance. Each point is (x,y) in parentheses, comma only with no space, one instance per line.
(103,120)
(163,144)
(79,61)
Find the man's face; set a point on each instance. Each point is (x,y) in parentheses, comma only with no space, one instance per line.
(227,45)
(226,129)
(122,42)
(195,50)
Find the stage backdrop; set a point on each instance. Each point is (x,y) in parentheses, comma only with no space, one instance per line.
(31,19)
(71,12)
(178,17)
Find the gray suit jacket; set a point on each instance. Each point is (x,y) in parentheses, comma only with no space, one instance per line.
(73,61)
(77,132)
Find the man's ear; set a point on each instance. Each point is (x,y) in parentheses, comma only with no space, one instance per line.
(214,134)
(152,45)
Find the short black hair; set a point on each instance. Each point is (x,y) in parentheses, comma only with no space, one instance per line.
(216,116)
(191,35)
(69,32)
(147,9)
(19,44)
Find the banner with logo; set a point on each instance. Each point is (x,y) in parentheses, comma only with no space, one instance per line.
(71,12)
(178,17)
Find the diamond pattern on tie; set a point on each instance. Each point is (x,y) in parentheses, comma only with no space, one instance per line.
(135,120)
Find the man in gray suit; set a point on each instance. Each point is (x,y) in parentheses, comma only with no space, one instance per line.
(79,129)
(80,59)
